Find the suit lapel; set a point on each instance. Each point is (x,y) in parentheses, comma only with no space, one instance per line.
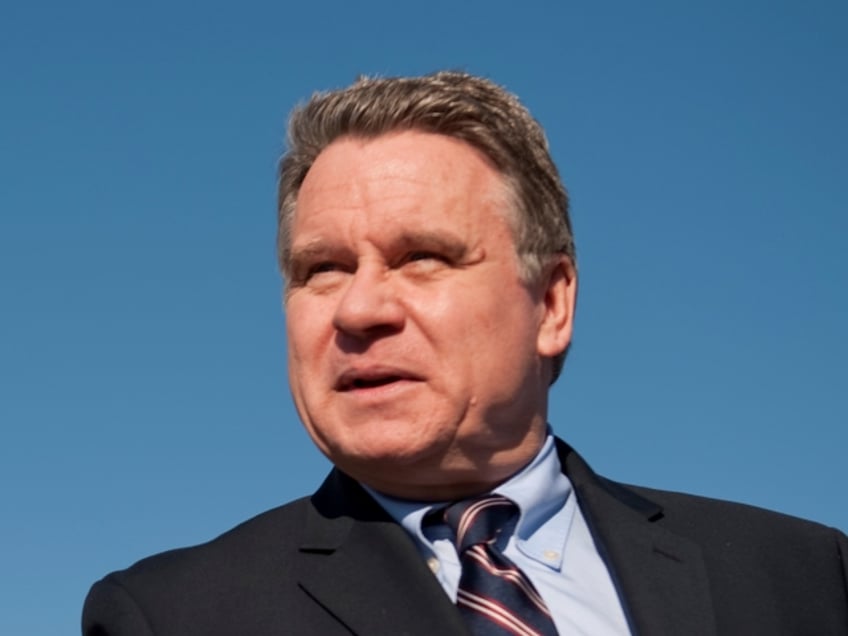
(660,577)
(362,567)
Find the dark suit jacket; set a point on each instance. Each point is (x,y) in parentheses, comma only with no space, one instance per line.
(335,563)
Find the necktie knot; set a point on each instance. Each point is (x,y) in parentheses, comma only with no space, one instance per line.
(479,520)
(494,596)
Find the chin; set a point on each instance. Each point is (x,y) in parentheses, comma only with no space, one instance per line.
(388,461)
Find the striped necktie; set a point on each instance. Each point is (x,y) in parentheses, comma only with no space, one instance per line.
(494,596)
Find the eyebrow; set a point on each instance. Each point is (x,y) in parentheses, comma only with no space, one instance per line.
(437,241)
(313,250)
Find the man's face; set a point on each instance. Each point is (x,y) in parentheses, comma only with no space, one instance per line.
(415,350)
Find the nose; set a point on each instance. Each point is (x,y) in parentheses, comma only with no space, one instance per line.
(369,307)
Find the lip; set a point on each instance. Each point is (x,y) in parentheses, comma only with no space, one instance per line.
(374,377)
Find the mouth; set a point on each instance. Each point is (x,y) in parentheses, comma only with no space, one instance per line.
(364,379)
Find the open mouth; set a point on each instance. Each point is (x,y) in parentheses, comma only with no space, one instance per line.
(370,383)
(362,379)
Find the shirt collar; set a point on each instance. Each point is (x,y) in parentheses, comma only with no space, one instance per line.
(542,493)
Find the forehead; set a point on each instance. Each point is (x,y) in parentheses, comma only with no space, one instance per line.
(410,171)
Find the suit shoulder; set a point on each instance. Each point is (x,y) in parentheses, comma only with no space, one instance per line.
(241,582)
(193,589)
(720,520)
(276,531)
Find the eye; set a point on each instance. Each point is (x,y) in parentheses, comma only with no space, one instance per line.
(322,267)
(323,272)
(425,263)
(307,273)
(425,256)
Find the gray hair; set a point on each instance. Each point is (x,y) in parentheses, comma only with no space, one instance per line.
(456,104)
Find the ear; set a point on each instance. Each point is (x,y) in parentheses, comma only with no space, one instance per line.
(558,301)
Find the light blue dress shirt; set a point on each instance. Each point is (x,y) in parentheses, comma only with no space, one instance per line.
(551,543)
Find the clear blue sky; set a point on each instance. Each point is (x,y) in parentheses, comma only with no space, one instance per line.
(143,395)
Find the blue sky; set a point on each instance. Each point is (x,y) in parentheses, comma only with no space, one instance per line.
(143,395)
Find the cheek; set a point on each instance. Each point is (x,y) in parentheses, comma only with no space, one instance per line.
(474,320)
(302,337)
(503,332)
(304,312)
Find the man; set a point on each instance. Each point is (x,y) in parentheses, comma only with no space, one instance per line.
(430,293)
